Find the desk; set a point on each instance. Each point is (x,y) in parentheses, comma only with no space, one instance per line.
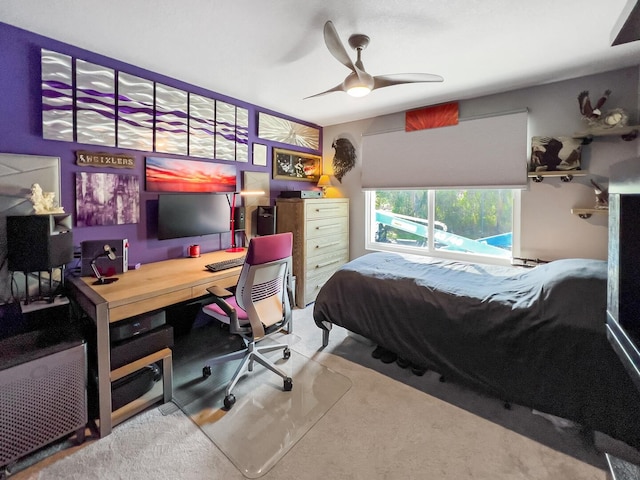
(152,287)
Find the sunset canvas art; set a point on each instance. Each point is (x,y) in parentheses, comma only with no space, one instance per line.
(173,175)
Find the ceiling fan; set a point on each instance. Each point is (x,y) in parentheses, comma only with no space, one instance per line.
(359,83)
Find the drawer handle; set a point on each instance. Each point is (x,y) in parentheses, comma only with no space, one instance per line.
(324,227)
(331,244)
(318,210)
(320,265)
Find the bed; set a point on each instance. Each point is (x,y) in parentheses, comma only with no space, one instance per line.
(531,336)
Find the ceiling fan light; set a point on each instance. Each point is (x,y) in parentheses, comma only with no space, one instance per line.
(359,91)
(357,87)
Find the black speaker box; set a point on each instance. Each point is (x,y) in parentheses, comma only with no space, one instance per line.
(37,243)
(238,218)
(140,346)
(266,224)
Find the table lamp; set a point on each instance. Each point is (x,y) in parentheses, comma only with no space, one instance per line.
(324,182)
(108,252)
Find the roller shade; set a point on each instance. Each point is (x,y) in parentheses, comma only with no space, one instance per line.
(483,152)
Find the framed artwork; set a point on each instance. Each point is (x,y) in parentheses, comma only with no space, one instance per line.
(431,117)
(290,165)
(106,199)
(281,130)
(95,104)
(57,96)
(555,153)
(260,154)
(174,175)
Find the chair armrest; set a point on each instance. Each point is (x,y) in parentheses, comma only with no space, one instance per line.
(219,291)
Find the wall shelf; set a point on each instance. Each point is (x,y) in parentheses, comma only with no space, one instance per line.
(626,133)
(587,212)
(565,175)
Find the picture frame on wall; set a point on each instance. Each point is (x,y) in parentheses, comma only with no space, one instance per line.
(292,165)
(189,176)
(260,154)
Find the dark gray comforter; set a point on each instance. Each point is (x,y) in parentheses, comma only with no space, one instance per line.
(535,337)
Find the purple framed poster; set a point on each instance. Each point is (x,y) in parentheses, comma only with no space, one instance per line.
(107,199)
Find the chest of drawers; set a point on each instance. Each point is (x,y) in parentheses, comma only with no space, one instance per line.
(320,228)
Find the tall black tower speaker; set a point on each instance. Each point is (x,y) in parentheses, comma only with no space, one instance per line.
(37,243)
(266,220)
(238,218)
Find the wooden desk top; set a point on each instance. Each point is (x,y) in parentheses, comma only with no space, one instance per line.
(157,285)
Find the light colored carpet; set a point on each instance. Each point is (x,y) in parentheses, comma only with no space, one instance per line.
(389,425)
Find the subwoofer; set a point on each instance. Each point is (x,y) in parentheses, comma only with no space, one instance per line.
(37,243)
(266,220)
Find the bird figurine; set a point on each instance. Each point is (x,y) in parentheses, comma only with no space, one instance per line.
(602,195)
(589,113)
(617,117)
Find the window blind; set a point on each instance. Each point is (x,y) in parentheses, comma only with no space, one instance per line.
(483,152)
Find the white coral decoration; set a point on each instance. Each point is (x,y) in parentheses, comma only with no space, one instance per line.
(43,202)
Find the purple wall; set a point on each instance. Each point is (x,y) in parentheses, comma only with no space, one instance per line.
(21,133)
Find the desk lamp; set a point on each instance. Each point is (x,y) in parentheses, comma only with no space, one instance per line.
(108,252)
(233,247)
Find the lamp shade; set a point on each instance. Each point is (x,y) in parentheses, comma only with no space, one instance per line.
(324,181)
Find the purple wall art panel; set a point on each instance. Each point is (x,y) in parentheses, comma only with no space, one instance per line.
(57,96)
(242,135)
(107,199)
(95,104)
(202,114)
(135,112)
(225,131)
(171,120)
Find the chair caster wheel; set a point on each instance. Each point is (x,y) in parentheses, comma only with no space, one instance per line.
(229,401)
(206,371)
(288,384)
(286,353)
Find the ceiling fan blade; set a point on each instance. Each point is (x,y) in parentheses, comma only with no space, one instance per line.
(337,88)
(400,78)
(335,46)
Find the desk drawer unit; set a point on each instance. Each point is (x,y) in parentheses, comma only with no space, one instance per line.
(320,240)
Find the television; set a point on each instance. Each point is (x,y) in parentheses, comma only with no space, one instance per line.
(192,215)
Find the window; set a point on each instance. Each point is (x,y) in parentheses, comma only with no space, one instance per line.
(469,224)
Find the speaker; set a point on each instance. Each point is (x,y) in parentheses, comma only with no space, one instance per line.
(266,220)
(37,243)
(238,218)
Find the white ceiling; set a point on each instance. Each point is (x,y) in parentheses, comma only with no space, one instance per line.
(271,53)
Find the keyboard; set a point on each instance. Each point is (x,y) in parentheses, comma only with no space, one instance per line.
(225,264)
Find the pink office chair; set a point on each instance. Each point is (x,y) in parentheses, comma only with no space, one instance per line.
(260,307)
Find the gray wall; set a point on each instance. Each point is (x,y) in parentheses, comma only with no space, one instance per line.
(548,229)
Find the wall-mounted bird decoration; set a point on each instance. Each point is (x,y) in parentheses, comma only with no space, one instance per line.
(589,113)
(602,195)
(344,158)
(593,115)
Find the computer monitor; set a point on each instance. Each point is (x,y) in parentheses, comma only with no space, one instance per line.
(192,215)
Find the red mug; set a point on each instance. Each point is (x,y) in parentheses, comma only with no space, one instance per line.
(194,250)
